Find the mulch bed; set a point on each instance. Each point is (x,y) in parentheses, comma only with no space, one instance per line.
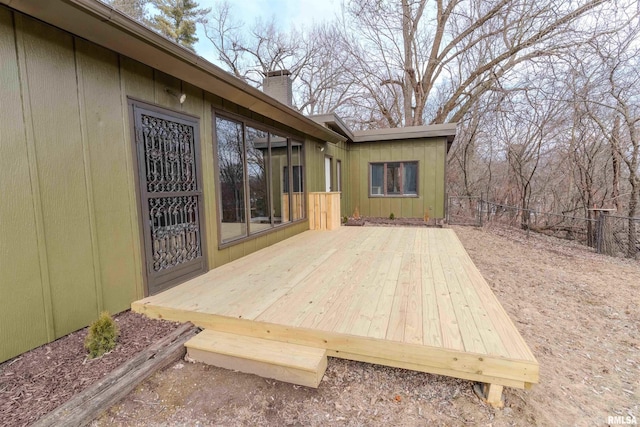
(37,382)
(387,222)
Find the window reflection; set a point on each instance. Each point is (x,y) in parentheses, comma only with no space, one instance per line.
(257,171)
(231,178)
(261,179)
(393,178)
(297,189)
(280,169)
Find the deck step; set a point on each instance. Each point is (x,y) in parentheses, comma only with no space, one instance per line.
(282,361)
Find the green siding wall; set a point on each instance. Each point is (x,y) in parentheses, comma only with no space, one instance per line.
(315,170)
(431,157)
(25,315)
(70,241)
(67,238)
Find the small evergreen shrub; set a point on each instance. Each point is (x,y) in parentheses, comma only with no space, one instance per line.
(102,336)
(392,216)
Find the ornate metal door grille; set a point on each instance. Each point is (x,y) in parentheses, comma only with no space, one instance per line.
(167,147)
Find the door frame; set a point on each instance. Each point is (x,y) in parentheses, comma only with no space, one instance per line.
(177,277)
(328,179)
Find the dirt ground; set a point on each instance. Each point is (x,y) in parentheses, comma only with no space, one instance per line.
(578,311)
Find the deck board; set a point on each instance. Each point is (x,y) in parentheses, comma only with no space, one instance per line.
(406,297)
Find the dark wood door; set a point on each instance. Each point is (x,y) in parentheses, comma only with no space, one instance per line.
(171,199)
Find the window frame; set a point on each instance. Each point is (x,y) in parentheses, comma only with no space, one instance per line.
(247,122)
(402,194)
(339,176)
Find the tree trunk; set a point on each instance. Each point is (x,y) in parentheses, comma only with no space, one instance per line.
(615,163)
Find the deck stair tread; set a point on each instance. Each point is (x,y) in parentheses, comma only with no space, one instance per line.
(293,363)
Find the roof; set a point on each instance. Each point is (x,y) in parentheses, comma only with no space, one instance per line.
(334,122)
(107,27)
(447,130)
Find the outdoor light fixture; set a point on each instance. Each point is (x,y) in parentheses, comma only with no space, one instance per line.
(321,148)
(181,98)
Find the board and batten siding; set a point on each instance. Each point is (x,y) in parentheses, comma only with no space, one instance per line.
(70,239)
(430,153)
(315,170)
(68,244)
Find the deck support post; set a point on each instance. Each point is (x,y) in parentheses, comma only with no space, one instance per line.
(490,393)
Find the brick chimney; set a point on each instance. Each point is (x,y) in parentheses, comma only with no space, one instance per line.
(277,84)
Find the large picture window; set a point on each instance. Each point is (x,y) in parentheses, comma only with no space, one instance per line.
(393,179)
(254,176)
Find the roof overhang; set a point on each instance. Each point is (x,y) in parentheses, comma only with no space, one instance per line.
(334,122)
(447,130)
(107,27)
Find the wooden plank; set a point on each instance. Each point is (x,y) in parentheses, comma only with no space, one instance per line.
(414,323)
(382,314)
(290,363)
(403,353)
(501,321)
(324,313)
(493,394)
(450,330)
(359,314)
(469,332)
(88,404)
(427,368)
(502,324)
(398,315)
(464,318)
(337,306)
(356,286)
(431,330)
(490,394)
(259,295)
(324,211)
(198,292)
(308,294)
(490,338)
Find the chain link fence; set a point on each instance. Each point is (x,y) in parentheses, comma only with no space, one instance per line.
(608,234)
(464,211)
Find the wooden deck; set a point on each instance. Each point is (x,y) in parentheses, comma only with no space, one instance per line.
(402,297)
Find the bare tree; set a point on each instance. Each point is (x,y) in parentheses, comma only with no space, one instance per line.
(442,56)
(609,68)
(317,63)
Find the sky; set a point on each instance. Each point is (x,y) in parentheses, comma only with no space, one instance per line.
(298,13)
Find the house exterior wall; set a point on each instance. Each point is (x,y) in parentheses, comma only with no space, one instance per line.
(431,156)
(68,245)
(340,151)
(315,159)
(70,234)
(70,239)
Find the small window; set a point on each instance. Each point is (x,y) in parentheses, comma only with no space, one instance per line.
(393,179)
